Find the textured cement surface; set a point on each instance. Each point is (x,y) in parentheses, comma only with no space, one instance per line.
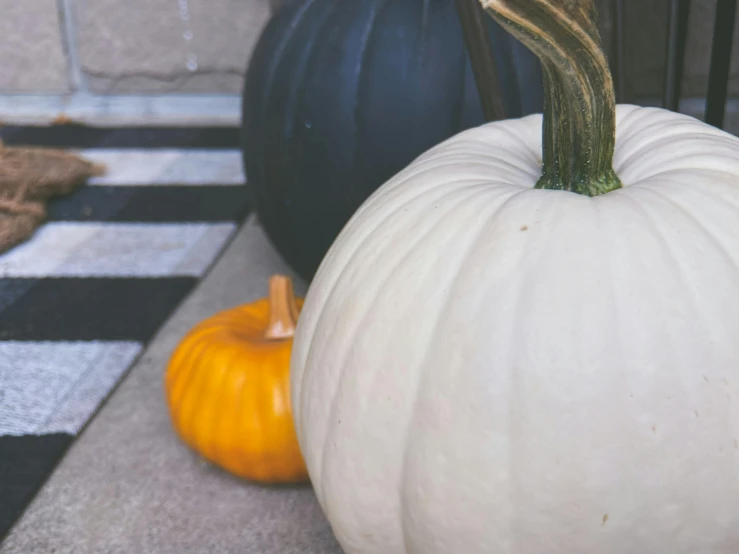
(164,46)
(128,485)
(32,48)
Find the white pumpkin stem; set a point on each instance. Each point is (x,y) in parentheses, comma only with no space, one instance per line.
(283,312)
(579,128)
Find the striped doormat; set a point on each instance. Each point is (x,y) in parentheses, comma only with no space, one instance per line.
(81,299)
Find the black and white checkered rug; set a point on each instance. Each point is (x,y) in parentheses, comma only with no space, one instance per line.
(81,299)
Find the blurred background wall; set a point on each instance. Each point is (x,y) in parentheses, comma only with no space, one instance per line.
(183,61)
(104,61)
(645,51)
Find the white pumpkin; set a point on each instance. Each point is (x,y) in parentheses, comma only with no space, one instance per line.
(484,367)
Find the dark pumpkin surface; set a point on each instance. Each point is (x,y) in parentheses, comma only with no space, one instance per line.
(342,94)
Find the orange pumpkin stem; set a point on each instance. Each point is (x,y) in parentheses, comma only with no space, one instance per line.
(283,313)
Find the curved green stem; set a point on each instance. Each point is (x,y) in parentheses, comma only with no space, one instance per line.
(579,127)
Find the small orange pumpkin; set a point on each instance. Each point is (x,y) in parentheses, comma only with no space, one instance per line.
(228,388)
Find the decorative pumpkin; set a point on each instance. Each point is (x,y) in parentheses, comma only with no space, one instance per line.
(340,95)
(525,341)
(227,388)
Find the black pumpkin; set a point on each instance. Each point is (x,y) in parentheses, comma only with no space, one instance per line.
(342,94)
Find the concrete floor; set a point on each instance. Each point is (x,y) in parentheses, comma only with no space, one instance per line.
(129,486)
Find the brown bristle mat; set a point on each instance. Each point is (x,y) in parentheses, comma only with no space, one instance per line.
(29,177)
